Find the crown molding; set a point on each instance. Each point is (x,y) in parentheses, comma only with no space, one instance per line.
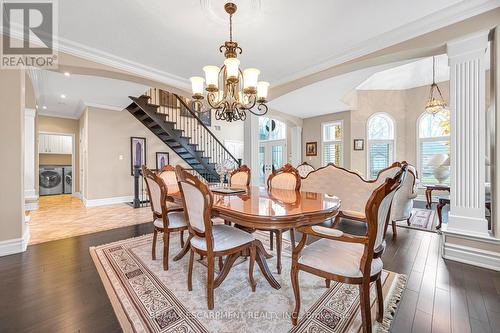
(104,106)
(108,59)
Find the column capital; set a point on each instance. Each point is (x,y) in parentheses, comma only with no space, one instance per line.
(469,46)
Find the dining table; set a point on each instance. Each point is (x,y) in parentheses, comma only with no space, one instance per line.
(262,208)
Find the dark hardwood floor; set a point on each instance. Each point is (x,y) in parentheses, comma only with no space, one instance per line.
(54,287)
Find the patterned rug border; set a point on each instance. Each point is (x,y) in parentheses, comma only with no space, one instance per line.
(396,290)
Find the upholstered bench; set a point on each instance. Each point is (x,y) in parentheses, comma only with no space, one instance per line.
(352,189)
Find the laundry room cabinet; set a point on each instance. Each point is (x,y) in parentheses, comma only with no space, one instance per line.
(55,144)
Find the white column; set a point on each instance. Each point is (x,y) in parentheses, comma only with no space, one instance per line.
(29,154)
(251,147)
(467,58)
(296,145)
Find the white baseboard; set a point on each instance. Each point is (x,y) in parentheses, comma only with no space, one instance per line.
(17,245)
(77,195)
(107,201)
(29,206)
(470,255)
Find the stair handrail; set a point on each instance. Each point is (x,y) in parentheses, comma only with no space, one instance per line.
(237,161)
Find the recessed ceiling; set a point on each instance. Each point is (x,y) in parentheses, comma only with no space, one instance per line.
(80,91)
(283,38)
(326,96)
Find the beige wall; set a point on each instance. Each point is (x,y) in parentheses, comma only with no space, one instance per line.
(108,152)
(12,96)
(311,132)
(62,126)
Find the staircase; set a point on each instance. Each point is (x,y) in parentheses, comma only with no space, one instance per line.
(171,119)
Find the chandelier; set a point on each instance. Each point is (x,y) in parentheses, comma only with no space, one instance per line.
(230,91)
(434,104)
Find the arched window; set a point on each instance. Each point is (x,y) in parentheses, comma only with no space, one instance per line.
(433,146)
(380,148)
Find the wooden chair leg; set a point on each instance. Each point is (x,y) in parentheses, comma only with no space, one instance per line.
(380,300)
(296,292)
(271,237)
(210,281)
(181,235)
(327,283)
(166,245)
(190,270)
(364,303)
(394,229)
(253,284)
(153,249)
(292,238)
(279,243)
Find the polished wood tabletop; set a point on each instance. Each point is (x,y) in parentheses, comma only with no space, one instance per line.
(263,208)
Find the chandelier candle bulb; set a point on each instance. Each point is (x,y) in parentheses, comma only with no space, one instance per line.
(197,86)
(250,78)
(232,68)
(262,88)
(212,77)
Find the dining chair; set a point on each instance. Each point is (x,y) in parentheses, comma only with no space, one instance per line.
(208,240)
(304,169)
(164,221)
(167,174)
(240,176)
(285,178)
(348,258)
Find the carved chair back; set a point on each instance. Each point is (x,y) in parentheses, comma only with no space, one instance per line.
(167,173)
(240,176)
(304,169)
(377,213)
(157,193)
(198,201)
(285,178)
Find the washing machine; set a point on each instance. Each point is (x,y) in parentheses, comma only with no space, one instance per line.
(68,179)
(51,180)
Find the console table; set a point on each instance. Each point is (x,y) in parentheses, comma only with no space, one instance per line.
(428,192)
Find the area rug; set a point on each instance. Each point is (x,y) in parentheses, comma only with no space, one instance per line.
(421,219)
(147,299)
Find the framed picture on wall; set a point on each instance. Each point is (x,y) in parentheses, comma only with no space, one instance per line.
(137,152)
(311,148)
(359,144)
(162,159)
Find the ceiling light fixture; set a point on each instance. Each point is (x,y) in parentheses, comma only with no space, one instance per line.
(67,74)
(434,104)
(230,91)
(63,96)
(44,107)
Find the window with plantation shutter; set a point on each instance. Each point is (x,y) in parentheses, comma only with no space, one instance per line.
(332,144)
(380,149)
(433,145)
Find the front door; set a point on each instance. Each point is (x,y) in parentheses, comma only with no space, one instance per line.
(272,156)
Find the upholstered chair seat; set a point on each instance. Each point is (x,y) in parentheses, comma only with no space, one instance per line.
(175,220)
(225,237)
(338,258)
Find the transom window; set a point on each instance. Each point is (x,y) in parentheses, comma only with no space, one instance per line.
(271,129)
(332,142)
(433,145)
(380,130)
